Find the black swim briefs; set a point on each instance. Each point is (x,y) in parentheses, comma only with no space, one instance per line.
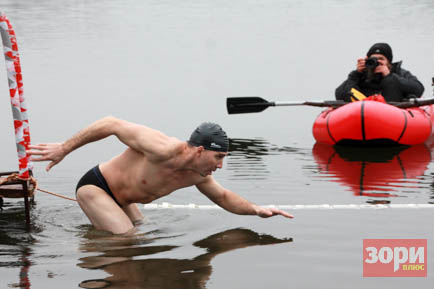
(94,177)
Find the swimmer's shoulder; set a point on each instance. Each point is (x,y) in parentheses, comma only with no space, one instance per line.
(171,148)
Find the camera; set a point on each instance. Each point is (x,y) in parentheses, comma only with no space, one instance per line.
(371,62)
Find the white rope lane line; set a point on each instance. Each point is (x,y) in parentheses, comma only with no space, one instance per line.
(166,205)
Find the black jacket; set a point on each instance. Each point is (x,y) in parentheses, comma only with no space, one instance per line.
(399,85)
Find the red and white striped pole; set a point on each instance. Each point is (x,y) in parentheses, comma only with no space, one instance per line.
(19,107)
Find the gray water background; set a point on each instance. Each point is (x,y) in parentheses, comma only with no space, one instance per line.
(170,65)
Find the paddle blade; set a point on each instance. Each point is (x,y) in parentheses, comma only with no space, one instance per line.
(246,104)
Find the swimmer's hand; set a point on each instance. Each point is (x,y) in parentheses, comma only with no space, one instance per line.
(53,152)
(269,212)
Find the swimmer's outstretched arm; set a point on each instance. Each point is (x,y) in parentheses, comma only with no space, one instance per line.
(234,203)
(138,137)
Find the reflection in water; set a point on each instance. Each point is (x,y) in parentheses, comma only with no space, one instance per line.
(119,259)
(16,243)
(373,172)
(245,159)
(24,270)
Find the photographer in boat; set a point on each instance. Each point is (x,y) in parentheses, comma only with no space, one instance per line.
(376,74)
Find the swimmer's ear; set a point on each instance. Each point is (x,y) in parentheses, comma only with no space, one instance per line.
(200,149)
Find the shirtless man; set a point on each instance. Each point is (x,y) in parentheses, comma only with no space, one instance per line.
(154,165)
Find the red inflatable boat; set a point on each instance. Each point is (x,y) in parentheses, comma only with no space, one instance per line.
(374,122)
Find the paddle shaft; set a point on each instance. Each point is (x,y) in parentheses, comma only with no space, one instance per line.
(413,103)
(327,103)
(284,103)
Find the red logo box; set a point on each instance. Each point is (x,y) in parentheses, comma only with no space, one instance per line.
(395,257)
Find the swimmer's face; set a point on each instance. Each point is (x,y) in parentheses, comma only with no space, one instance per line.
(210,161)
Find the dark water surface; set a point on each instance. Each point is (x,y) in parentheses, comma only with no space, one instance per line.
(170,65)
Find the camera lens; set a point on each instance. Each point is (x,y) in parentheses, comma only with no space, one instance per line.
(371,62)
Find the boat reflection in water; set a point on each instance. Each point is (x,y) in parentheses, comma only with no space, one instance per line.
(373,172)
(130,263)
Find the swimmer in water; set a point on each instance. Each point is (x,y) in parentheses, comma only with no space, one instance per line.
(154,165)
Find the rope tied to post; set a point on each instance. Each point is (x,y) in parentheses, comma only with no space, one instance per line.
(32,186)
(14,179)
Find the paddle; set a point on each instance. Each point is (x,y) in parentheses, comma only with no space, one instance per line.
(251,104)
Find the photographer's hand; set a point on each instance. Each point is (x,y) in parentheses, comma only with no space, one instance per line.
(361,64)
(382,68)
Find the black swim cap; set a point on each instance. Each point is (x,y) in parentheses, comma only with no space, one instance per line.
(211,136)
